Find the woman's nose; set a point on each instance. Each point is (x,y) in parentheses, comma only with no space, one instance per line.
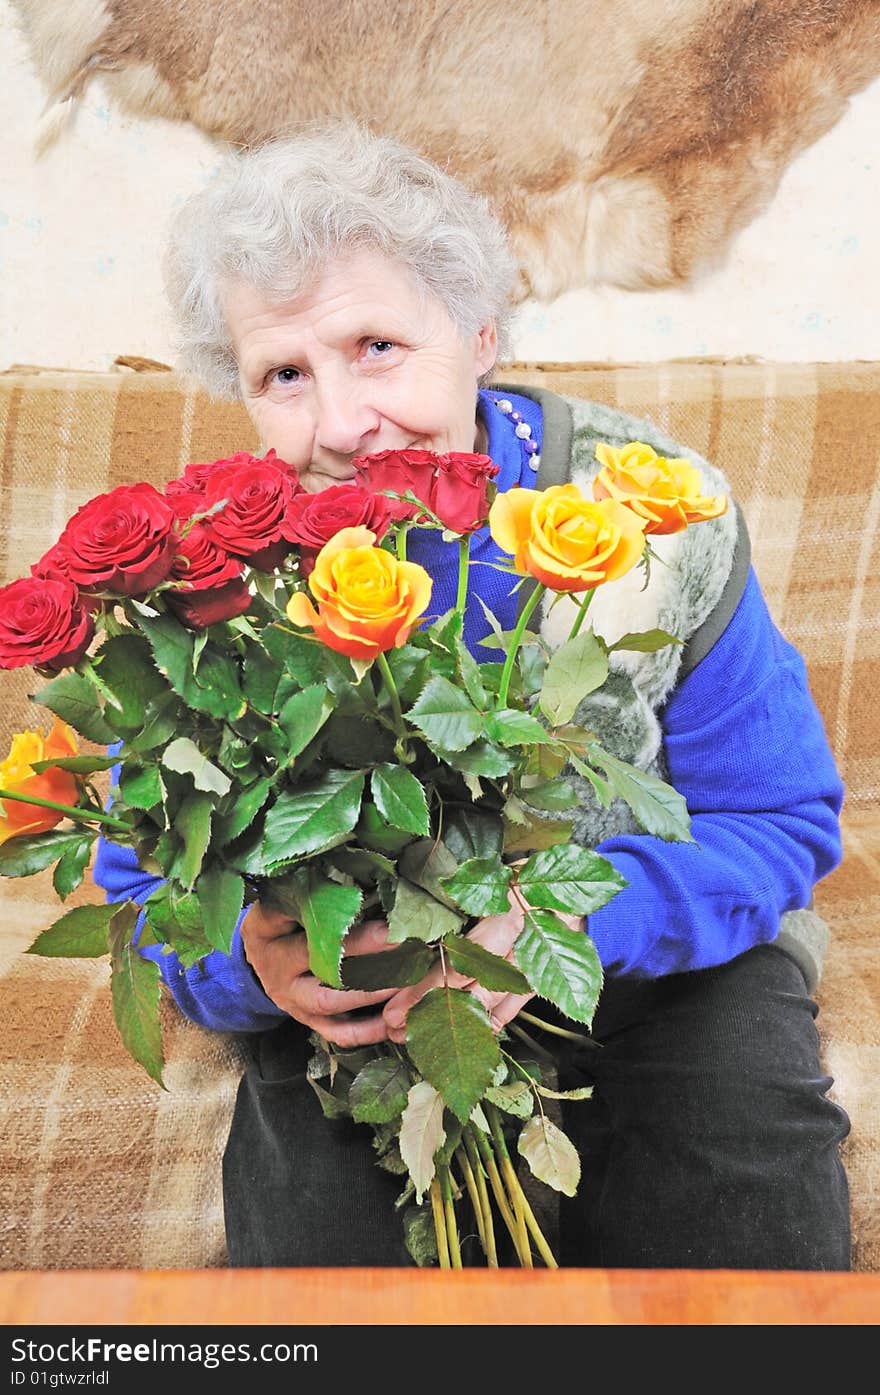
(343,423)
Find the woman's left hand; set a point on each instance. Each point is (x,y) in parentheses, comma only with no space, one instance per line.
(498,934)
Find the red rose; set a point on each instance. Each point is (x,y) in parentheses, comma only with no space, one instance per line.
(316,518)
(462,488)
(402,471)
(200,563)
(198,609)
(44,622)
(254,523)
(121,541)
(54,564)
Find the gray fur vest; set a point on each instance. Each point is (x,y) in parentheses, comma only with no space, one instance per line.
(692,595)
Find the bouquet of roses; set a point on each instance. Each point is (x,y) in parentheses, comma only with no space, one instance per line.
(292,724)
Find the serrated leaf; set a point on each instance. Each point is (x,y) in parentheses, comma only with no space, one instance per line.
(569,878)
(601,787)
(512,728)
(446,716)
(389,968)
(248,803)
(577,668)
(419,1235)
(71,866)
(126,672)
(555,794)
(379,1092)
(74,699)
(561,964)
(80,765)
(81,933)
(452,1045)
(471,677)
(400,798)
(192,823)
(28,853)
(312,817)
(482,758)
(135,985)
(332,1106)
(215,689)
(469,832)
(183,756)
(473,960)
(583,1092)
(175,918)
(140,785)
(515,1099)
(536,834)
(421,1134)
(326,911)
(480,886)
(550,1154)
(645,641)
(657,807)
(417,915)
(220,893)
(162,718)
(302,717)
(427,863)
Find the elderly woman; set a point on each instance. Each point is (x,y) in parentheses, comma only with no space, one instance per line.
(357,298)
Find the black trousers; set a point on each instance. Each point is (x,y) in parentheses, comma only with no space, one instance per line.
(709,1140)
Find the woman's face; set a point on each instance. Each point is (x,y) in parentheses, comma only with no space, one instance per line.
(360,363)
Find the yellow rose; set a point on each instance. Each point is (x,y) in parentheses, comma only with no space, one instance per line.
(18,776)
(564,540)
(367,601)
(664,492)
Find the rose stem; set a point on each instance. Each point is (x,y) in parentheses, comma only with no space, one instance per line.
(516,639)
(66,809)
(439,1224)
(485,1206)
(400,540)
(393,693)
(464,545)
(498,1190)
(470,1181)
(583,607)
(558,1031)
(449,1210)
(515,1191)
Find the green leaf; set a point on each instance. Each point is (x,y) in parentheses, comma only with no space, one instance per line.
(601,788)
(658,807)
(471,677)
(512,728)
(81,933)
(71,866)
(32,852)
(135,986)
(452,1045)
(73,698)
(193,824)
(216,689)
(184,756)
(125,670)
(221,896)
(332,1106)
(421,1134)
(427,863)
(583,1092)
(302,717)
(577,668)
(400,798)
(569,878)
(470,832)
(480,886)
(312,817)
(533,833)
(140,785)
(80,765)
(446,716)
(515,1098)
(472,959)
(379,1092)
(561,964)
(482,758)
(261,675)
(175,918)
(326,911)
(550,1154)
(419,1235)
(248,803)
(550,794)
(417,915)
(389,968)
(162,718)
(645,642)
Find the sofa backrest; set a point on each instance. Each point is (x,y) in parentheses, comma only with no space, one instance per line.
(798,443)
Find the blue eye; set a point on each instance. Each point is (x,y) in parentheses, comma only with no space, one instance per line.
(285,375)
(381,343)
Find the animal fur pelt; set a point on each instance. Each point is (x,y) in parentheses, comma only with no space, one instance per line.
(620,141)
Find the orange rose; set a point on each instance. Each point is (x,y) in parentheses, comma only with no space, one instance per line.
(17,776)
(665,493)
(568,542)
(367,600)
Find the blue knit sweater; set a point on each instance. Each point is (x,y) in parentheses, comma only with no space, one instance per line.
(745,746)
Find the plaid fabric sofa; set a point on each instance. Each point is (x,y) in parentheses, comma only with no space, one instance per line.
(99,1168)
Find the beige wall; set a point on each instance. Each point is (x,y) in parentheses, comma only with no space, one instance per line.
(81,233)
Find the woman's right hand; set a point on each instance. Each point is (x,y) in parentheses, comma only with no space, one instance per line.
(278,953)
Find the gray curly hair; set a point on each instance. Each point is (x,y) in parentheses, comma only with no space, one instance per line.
(273,216)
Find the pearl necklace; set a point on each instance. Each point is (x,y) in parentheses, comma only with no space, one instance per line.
(523,431)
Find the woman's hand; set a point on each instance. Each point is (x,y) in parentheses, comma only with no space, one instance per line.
(278,954)
(497,933)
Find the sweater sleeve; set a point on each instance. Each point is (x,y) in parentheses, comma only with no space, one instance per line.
(221,992)
(746,747)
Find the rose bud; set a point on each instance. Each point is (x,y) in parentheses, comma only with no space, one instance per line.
(401,470)
(198,609)
(463,490)
(43,622)
(211,587)
(121,541)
